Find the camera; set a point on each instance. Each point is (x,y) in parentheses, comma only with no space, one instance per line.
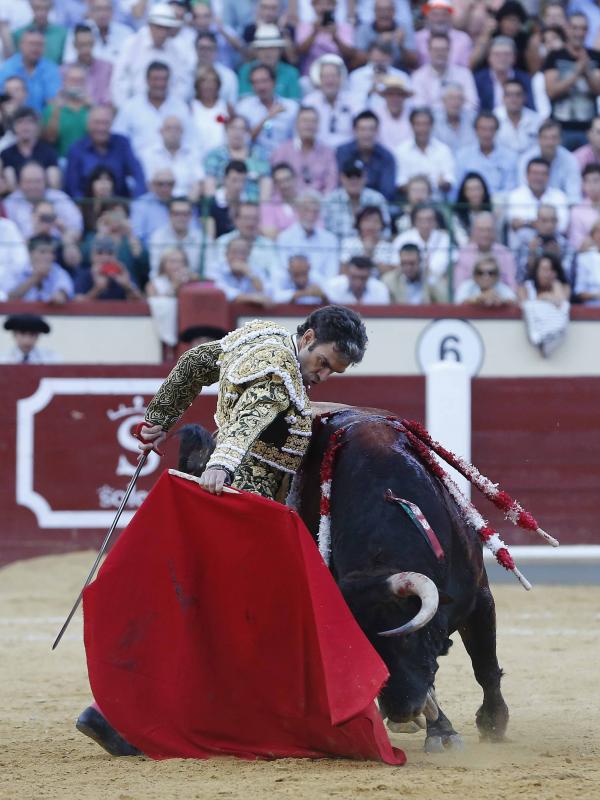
(327,18)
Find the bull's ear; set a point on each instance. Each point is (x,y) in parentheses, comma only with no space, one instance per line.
(445,599)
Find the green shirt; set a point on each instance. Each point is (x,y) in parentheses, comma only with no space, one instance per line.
(54,41)
(287,81)
(72,126)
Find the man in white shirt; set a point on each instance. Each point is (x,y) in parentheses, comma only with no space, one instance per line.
(298,284)
(181,233)
(428,81)
(271,118)
(263,259)
(519,125)
(424,155)
(358,285)
(179,157)
(13,255)
(153,42)
(305,236)
(335,105)
(393,107)
(365,82)
(26,330)
(109,36)
(142,116)
(523,202)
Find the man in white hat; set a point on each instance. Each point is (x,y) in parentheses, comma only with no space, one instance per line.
(153,42)
(392,104)
(334,103)
(267,48)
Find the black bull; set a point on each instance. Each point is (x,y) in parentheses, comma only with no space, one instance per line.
(373,539)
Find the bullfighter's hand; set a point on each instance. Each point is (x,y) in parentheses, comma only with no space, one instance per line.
(153,436)
(213,480)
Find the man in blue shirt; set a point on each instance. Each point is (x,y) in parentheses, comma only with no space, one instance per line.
(101,147)
(42,78)
(380,164)
(495,164)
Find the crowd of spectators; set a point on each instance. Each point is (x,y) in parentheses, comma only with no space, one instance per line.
(359,151)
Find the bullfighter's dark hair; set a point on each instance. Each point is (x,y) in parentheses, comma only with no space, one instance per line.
(339,325)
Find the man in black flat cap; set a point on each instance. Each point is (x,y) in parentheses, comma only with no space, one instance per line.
(26,330)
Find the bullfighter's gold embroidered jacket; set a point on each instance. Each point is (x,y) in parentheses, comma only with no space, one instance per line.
(263,412)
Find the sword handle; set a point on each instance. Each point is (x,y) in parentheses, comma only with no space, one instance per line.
(138,434)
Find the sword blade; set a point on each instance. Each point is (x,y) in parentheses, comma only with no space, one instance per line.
(103,548)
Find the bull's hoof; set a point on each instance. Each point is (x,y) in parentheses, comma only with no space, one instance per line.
(404,727)
(492,723)
(441,744)
(93,724)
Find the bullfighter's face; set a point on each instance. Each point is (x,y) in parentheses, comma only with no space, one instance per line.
(318,360)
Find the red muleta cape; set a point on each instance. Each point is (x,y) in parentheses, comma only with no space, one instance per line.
(215,628)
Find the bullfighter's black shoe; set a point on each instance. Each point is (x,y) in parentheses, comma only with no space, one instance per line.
(93,724)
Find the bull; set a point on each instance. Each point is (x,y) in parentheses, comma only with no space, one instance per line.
(407,598)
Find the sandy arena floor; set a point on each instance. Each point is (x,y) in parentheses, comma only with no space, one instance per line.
(548,644)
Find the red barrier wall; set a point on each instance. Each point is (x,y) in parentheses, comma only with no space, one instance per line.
(67,451)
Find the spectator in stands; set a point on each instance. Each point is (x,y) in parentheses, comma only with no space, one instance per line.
(424,155)
(343,204)
(313,162)
(543,237)
(177,155)
(519,125)
(206,51)
(101,147)
(268,12)
(324,36)
(585,214)
(369,241)
(151,210)
(229,44)
(98,72)
(587,280)
(238,147)
(297,285)
(226,200)
(109,35)
(523,203)
(173,273)
(306,236)
(29,147)
(406,283)
(263,258)
(491,80)
(392,24)
(14,257)
(333,102)
(26,330)
(65,118)
(114,224)
(14,95)
(66,247)
(564,169)
(209,112)
(42,77)
(429,80)
(42,280)
(100,186)
(267,48)
(365,82)
(393,110)
(473,197)
(590,153)
(418,190)
(54,35)
(485,288)
(107,278)
(19,205)
(280,212)
(573,83)
(271,118)
(141,117)
(552,39)
(546,281)
(153,42)
(236,278)
(453,121)
(433,243)
(358,285)
(483,244)
(494,163)
(378,161)
(239,14)
(438,19)
(181,232)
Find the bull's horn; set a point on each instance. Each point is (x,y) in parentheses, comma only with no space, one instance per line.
(404,584)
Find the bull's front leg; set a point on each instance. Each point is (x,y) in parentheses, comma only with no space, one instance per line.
(479,637)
